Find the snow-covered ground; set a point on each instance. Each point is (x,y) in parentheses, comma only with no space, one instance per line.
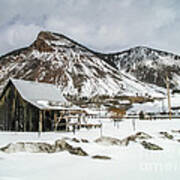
(157,106)
(128,162)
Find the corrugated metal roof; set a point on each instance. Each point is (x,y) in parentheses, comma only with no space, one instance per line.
(41,95)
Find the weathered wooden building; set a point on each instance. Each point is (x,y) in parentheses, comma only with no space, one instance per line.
(33,106)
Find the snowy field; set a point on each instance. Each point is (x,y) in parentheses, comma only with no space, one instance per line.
(128,162)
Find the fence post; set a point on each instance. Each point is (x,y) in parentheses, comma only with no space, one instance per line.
(134,124)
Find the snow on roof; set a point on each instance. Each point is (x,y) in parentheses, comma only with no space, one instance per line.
(41,95)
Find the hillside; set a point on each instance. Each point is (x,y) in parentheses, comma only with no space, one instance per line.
(76,70)
(147,65)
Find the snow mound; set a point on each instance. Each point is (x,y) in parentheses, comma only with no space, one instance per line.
(114,141)
(108,141)
(60,145)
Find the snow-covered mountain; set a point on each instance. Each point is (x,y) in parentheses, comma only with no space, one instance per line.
(75,69)
(147,65)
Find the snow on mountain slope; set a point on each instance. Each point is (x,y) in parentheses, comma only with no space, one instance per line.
(76,70)
(147,65)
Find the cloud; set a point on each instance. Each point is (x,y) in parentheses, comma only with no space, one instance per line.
(101,25)
(17,36)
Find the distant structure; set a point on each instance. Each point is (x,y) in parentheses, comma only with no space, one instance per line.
(33,106)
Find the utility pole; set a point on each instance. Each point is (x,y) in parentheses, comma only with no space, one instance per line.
(168,93)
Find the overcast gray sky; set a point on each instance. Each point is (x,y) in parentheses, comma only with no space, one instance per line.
(103,25)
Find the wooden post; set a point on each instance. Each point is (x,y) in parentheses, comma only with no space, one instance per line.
(168,93)
(44,120)
(79,121)
(40,123)
(25,116)
(101,130)
(30,120)
(81,117)
(55,121)
(134,124)
(67,124)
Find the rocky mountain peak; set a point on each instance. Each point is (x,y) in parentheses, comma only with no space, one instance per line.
(41,45)
(48,41)
(147,64)
(45,35)
(77,70)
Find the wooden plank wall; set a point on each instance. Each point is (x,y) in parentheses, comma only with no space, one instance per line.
(15,113)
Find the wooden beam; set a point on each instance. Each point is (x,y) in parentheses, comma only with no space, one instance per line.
(44,120)
(55,121)
(40,122)
(25,115)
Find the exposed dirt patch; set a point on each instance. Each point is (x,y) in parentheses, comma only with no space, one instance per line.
(42,46)
(76,140)
(150,146)
(101,157)
(84,141)
(167,135)
(175,131)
